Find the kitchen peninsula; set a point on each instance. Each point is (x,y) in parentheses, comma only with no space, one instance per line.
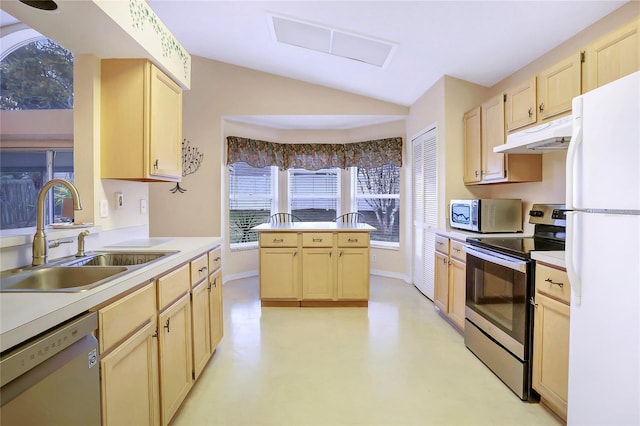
(314,264)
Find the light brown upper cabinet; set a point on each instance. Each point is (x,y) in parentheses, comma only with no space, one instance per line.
(472,138)
(141,122)
(544,96)
(492,116)
(612,56)
(521,105)
(557,86)
(484,129)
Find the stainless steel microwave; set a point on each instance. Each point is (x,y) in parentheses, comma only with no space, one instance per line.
(486,215)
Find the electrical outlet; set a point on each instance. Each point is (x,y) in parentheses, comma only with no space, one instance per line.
(119,200)
(104,208)
(143,206)
(373,258)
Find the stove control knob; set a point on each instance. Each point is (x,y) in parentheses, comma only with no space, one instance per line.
(536,213)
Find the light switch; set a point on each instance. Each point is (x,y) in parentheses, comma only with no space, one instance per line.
(104,208)
(143,206)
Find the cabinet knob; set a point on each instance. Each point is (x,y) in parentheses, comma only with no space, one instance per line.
(155,164)
(533,302)
(541,107)
(530,112)
(166,325)
(477,173)
(201,270)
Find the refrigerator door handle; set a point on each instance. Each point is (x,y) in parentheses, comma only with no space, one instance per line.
(571,244)
(576,141)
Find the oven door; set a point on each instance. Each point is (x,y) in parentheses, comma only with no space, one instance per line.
(497,299)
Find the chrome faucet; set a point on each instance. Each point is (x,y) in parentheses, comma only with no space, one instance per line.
(81,236)
(40,244)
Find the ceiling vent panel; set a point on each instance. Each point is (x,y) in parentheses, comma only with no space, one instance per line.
(329,40)
(359,48)
(302,35)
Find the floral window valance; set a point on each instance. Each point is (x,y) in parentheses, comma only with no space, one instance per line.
(309,156)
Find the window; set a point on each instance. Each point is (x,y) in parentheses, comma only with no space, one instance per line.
(22,174)
(378,199)
(314,196)
(38,75)
(250,200)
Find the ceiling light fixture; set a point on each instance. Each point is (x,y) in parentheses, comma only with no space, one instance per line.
(41,4)
(332,41)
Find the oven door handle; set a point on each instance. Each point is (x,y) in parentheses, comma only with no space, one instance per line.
(511,263)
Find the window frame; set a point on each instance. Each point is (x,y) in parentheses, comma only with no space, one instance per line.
(324,196)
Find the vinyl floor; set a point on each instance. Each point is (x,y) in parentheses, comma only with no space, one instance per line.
(396,362)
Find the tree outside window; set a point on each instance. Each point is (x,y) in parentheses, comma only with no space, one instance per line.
(378,200)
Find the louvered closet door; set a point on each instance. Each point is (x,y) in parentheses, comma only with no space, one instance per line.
(424,209)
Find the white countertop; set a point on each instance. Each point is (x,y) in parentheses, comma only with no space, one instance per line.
(24,315)
(555,258)
(313,227)
(462,235)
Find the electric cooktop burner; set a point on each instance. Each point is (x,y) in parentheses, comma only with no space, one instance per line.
(549,234)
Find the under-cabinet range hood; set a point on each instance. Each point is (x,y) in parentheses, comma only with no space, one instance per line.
(552,136)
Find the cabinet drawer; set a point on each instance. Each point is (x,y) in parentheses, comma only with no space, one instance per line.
(553,283)
(353,239)
(199,269)
(457,251)
(215,259)
(442,244)
(172,286)
(121,318)
(317,239)
(283,239)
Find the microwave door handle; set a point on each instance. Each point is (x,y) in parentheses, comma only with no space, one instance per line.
(517,265)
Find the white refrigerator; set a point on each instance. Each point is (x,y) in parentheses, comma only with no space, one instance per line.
(603,255)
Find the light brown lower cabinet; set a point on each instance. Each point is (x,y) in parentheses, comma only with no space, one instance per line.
(551,338)
(129,381)
(149,360)
(450,280)
(176,364)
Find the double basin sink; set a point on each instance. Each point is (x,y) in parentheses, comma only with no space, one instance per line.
(76,274)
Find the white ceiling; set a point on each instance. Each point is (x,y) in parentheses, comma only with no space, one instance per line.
(479,41)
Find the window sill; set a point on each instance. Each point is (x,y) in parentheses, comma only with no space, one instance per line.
(244,246)
(384,245)
(24,236)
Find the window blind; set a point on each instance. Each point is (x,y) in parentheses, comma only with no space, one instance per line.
(250,200)
(378,199)
(314,195)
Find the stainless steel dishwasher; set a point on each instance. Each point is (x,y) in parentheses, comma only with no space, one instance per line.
(53,379)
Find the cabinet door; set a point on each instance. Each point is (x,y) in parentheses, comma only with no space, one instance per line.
(521,105)
(493,164)
(279,273)
(612,56)
(215,306)
(318,274)
(353,274)
(551,353)
(165,134)
(129,381)
(472,145)
(557,86)
(201,325)
(457,291)
(441,294)
(176,366)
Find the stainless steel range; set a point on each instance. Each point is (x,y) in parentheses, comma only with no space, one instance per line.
(500,284)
